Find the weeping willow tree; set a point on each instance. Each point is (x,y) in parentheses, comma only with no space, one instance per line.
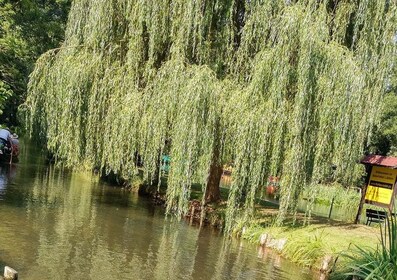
(284,88)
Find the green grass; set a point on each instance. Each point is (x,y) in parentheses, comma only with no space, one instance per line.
(369,263)
(308,250)
(308,245)
(344,198)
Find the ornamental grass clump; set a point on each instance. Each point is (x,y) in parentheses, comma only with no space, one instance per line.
(379,263)
(306,250)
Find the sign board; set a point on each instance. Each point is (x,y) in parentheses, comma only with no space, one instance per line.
(380,187)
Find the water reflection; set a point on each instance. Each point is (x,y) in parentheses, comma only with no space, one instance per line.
(62,225)
(7,173)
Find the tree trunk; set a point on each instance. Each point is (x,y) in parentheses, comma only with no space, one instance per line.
(212,193)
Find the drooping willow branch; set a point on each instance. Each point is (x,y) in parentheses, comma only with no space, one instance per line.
(284,88)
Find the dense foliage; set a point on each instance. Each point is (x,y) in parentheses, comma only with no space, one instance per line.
(384,141)
(345,199)
(285,88)
(28,28)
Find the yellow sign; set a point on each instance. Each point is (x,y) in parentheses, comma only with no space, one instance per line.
(381,185)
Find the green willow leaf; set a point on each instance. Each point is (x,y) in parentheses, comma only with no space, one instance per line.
(282,88)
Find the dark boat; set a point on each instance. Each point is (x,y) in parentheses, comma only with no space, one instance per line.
(10,153)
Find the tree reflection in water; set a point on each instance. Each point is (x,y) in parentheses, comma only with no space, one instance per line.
(63,225)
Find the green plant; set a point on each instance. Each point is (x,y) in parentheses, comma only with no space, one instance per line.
(346,199)
(307,250)
(379,263)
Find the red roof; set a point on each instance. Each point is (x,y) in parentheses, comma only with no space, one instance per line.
(390,162)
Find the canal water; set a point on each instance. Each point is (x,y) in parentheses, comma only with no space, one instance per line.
(57,224)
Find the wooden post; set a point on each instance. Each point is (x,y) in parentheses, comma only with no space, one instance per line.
(393,200)
(363,192)
(332,206)
(10,273)
(360,207)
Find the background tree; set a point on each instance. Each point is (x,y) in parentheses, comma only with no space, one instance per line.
(27,29)
(384,138)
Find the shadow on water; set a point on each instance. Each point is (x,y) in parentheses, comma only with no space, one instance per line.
(58,224)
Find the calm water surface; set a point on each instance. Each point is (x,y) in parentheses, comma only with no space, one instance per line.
(57,224)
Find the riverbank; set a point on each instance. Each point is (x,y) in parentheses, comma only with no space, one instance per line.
(318,246)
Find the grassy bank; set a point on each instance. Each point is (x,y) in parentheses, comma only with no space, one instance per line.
(306,245)
(321,246)
(322,242)
(310,245)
